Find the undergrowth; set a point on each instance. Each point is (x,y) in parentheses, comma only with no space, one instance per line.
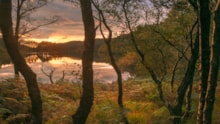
(60,101)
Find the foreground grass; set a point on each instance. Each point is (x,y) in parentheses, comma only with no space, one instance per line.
(60,101)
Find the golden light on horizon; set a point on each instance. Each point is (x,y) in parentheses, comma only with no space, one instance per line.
(57,39)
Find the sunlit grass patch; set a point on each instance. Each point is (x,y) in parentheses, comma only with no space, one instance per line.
(137,117)
(161,115)
(140,112)
(105,112)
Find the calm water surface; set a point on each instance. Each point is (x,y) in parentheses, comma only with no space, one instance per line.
(66,67)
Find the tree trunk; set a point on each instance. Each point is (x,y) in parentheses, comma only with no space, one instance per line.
(86,101)
(186,82)
(204,19)
(188,102)
(108,40)
(120,87)
(16,34)
(16,72)
(213,73)
(18,60)
(118,72)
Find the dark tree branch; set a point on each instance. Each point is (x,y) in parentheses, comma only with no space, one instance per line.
(171,44)
(38,26)
(147,67)
(87,97)
(30,7)
(50,75)
(108,40)
(175,68)
(23,10)
(158,83)
(18,60)
(164,69)
(194,4)
(63,75)
(131,32)
(191,35)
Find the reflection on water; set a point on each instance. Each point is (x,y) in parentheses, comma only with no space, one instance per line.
(63,68)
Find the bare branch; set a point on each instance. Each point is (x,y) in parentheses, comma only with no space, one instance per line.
(50,75)
(40,25)
(194,4)
(170,43)
(158,83)
(141,54)
(155,78)
(102,19)
(175,67)
(24,8)
(164,69)
(191,35)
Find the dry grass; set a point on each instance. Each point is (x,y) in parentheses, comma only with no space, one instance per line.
(142,104)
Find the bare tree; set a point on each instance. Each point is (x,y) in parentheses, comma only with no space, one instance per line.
(24,23)
(50,74)
(18,60)
(87,97)
(103,21)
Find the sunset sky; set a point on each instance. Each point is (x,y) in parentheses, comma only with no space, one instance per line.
(69,26)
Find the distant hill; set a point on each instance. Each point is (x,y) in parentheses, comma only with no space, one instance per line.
(68,49)
(72,48)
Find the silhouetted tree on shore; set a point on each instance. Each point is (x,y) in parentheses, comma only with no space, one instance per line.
(18,60)
(87,97)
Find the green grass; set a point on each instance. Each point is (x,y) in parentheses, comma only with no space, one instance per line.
(60,101)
